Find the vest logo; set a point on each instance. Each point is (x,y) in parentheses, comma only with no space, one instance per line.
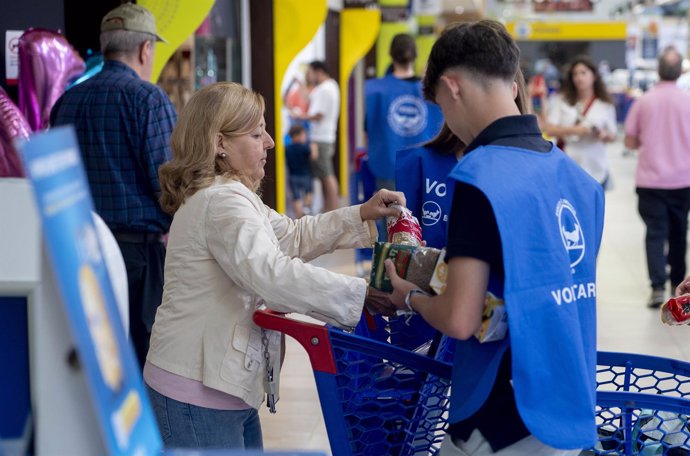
(407,115)
(431,213)
(439,189)
(571,232)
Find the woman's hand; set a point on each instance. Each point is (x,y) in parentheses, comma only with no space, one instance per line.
(377,206)
(606,136)
(378,302)
(581,130)
(400,286)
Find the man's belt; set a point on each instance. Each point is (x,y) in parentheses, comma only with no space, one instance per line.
(137,237)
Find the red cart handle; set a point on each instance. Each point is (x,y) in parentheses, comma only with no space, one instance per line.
(314,338)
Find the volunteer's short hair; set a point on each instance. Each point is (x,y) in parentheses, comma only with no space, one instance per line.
(319,65)
(403,49)
(483,49)
(295,130)
(114,42)
(670,64)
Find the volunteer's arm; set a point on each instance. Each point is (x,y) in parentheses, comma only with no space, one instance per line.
(457,312)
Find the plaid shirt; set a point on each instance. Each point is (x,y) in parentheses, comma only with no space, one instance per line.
(123,125)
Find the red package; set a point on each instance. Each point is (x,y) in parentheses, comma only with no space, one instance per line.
(676,311)
(404,229)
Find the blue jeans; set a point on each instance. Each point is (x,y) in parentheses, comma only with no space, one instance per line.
(189,426)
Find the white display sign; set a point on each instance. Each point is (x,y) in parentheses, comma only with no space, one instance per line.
(427,7)
(12,55)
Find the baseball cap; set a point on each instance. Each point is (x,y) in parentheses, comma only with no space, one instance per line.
(134,18)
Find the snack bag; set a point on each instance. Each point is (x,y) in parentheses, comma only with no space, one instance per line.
(405,228)
(494,320)
(412,263)
(676,311)
(440,275)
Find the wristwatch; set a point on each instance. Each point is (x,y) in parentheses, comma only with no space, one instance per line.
(408,297)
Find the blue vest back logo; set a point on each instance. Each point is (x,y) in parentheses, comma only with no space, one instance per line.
(431,213)
(407,115)
(571,231)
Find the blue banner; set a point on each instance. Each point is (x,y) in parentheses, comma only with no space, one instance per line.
(53,164)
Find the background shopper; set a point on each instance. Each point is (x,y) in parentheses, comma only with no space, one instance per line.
(584,118)
(658,126)
(323,114)
(123,125)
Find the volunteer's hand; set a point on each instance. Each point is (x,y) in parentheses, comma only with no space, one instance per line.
(684,287)
(378,302)
(400,286)
(377,206)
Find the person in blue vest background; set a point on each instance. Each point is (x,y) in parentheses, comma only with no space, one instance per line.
(525,223)
(397,115)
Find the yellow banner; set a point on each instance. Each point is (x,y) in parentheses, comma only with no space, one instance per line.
(568,31)
(358,30)
(175,21)
(293,27)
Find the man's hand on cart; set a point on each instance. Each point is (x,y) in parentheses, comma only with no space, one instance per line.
(377,206)
(379,302)
(684,287)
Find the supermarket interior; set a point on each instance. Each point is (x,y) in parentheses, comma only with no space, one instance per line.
(344,227)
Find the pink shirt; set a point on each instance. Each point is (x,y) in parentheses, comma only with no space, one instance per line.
(189,391)
(660,120)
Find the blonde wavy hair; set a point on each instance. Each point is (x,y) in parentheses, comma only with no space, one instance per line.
(226,108)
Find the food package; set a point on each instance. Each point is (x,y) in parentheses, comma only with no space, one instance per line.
(440,275)
(405,228)
(494,320)
(676,311)
(413,263)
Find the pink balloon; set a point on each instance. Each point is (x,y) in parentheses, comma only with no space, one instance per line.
(13,126)
(47,64)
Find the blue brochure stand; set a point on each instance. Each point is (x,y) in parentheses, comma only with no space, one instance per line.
(53,165)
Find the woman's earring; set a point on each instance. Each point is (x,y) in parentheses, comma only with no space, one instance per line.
(222,155)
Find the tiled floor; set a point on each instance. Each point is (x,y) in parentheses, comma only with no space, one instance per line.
(624,323)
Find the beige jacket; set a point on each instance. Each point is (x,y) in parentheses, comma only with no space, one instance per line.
(228,254)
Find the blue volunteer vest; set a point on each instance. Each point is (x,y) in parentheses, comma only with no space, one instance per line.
(397,116)
(421,173)
(550,217)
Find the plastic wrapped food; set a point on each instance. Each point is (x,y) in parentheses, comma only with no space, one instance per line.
(676,311)
(404,229)
(494,320)
(413,263)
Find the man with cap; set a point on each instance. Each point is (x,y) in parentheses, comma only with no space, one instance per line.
(123,124)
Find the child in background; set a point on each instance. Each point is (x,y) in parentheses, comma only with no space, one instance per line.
(298,155)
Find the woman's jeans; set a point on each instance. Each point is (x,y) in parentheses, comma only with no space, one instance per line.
(189,426)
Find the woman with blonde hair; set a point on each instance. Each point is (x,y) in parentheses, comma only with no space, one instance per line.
(229,254)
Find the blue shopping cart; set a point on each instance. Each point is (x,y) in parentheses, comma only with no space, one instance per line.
(380,399)
(362,187)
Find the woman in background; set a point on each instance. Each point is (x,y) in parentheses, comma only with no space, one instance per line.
(584,118)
